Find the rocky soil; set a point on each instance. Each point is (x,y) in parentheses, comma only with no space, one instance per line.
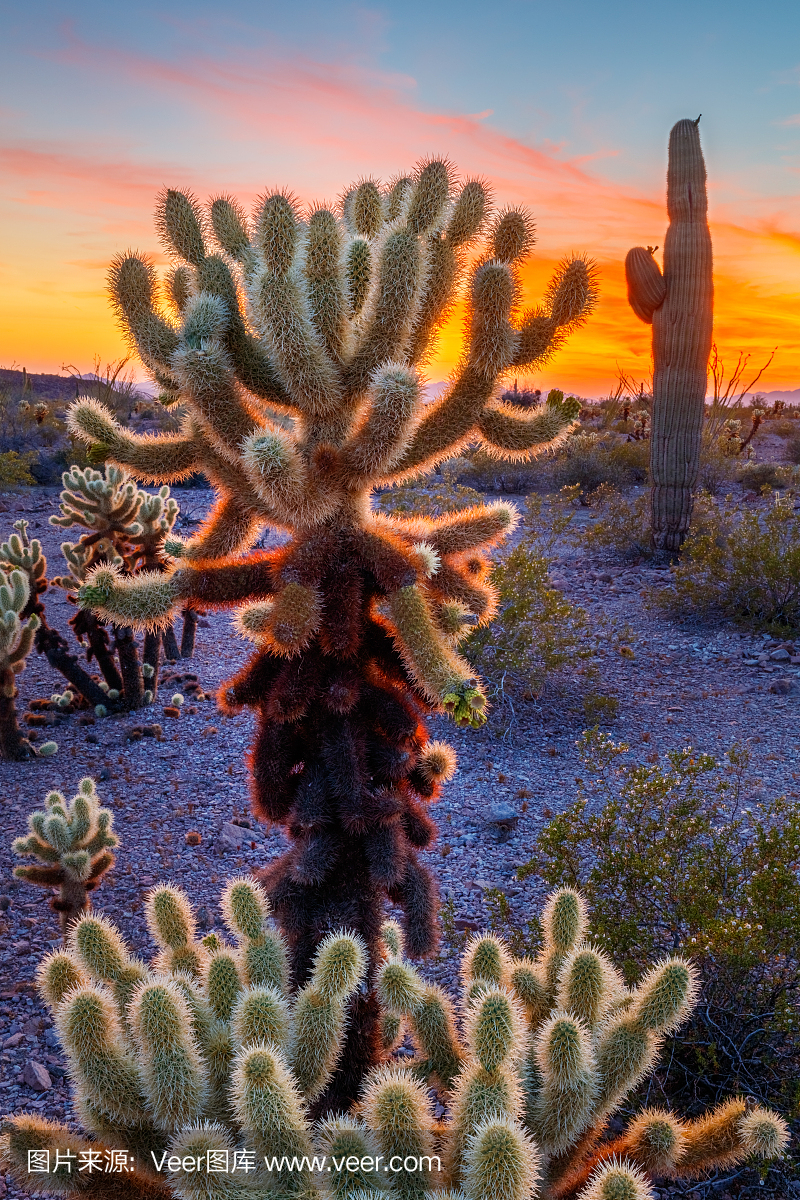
(709,687)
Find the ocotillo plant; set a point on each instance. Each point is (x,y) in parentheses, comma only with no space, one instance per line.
(297,408)
(16,642)
(73,843)
(680,306)
(199,1068)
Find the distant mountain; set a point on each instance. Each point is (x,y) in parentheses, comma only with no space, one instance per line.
(792,397)
(45,387)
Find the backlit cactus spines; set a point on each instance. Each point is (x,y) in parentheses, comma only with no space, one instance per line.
(73,842)
(171,923)
(680,306)
(263,959)
(16,642)
(295,347)
(180,1066)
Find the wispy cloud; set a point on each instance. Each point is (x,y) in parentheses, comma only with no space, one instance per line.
(273,118)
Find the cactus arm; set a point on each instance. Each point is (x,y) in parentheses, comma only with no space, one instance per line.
(382,437)
(225,584)
(646,286)
(208,385)
(25,1133)
(325,282)
(480,527)
(450,583)
(446,426)
(507,434)
(144,601)
(133,284)
(390,308)
(444,679)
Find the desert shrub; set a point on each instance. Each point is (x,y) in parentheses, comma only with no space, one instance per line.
(431,497)
(537,629)
(793,449)
(623,527)
(743,564)
(756,476)
(589,460)
(670,861)
(15,468)
(717,470)
(784,428)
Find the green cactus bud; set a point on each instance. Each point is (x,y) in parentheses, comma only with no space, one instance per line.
(177,700)
(47,749)
(400,988)
(764,1133)
(223,983)
(339,965)
(568,1092)
(100,710)
(92,1036)
(665,995)
(588,985)
(172,1075)
(527,983)
(395,1107)
(392,936)
(56,975)
(564,920)
(501,1163)
(261,1014)
(343,1138)
(655,1140)
(148,670)
(485,961)
(495,1029)
(612,1181)
(269,1106)
(245,907)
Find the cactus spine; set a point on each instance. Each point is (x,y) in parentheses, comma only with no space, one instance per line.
(177,1059)
(297,406)
(680,306)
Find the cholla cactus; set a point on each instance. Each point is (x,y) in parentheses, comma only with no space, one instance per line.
(127,532)
(202,1060)
(22,554)
(16,641)
(73,843)
(297,407)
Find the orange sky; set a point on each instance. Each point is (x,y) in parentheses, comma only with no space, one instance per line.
(68,202)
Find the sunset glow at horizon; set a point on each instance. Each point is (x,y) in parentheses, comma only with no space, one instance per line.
(102,109)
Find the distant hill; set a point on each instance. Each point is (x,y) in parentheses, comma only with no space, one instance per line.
(46,387)
(792,397)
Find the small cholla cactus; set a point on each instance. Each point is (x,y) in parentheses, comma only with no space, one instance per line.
(127,529)
(295,347)
(203,1060)
(73,843)
(16,641)
(22,554)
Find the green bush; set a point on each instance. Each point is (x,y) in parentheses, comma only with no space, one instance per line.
(15,469)
(432,497)
(588,461)
(537,629)
(743,564)
(756,476)
(671,860)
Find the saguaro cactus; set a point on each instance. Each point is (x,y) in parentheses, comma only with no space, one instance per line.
(680,306)
(297,408)
(73,843)
(204,1055)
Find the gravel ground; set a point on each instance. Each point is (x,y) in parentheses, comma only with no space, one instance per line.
(684,686)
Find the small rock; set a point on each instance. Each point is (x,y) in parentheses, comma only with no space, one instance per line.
(780,655)
(782,687)
(5,903)
(466,925)
(104,773)
(154,731)
(37,1077)
(209,730)
(93,739)
(12,1042)
(504,818)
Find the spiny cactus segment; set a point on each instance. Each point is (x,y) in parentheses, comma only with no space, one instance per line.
(295,345)
(73,842)
(16,642)
(204,1056)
